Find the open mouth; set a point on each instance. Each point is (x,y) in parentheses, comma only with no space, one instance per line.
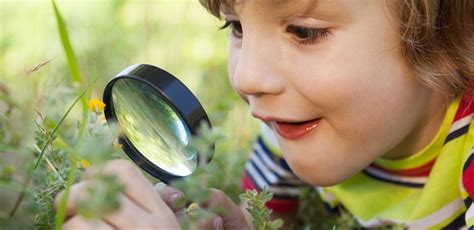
(295,130)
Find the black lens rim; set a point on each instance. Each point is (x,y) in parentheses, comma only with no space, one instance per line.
(178,96)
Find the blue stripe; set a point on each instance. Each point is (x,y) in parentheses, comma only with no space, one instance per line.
(331,211)
(468,162)
(257,153)
(287,184)
(457,133)
(267,151)
(259,172)
(280,180)
(457,223)
(258,188)
(407,184)
(254,182)
(468,202)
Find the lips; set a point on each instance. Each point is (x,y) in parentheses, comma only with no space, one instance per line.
(295,130)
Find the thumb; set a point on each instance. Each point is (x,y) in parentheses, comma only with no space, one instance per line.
(213,222)
(232,216)
(173,197)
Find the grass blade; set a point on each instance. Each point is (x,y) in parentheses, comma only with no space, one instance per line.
(76,75)
(71,58)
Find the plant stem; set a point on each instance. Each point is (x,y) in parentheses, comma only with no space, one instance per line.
(51,165)
(20,198)
(38,160)
(62,206)
(61,121)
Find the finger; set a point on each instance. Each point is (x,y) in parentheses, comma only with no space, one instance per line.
(132,216)
(128,216)
(136,186)
(212,222)
(77,192)
(173,197)
(231,214)
(78,222)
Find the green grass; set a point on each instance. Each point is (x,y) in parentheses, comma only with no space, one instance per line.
(50,53)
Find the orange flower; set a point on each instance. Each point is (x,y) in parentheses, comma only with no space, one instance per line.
(96,105)
(117,145)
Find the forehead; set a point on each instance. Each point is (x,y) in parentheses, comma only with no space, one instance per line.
(284,8)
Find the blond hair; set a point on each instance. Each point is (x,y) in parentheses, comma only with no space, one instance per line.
(436,40)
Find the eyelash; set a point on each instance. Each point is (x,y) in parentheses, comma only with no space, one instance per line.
(303,35)
(307,35)
(236,28)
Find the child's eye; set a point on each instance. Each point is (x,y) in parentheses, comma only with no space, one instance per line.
(235,26)
(306,35)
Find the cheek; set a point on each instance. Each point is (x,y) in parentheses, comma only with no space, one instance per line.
(232,63)
(360,87)
(369,104)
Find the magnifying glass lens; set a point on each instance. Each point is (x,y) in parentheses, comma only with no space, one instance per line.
(153,127)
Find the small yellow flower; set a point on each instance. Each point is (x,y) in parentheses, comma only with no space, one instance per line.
(85,163)
(193,209)
(96,105)
(116,144)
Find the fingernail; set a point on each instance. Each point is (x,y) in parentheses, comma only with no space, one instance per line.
(174,197)
(177,200)
(218,224)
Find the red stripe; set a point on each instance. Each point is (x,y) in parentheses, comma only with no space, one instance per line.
(466,106)
(423,170)
(468,180)
(283,205)
(276,204)
(247,183)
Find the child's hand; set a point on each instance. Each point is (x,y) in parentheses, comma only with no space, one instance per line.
(140,205)
(232,216)
(143,206)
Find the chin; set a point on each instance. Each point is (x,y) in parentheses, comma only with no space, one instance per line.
(323,176)
(322,181)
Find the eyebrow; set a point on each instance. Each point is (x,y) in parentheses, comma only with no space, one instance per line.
(227,6)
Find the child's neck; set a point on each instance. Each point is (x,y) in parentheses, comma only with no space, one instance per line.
(425,130)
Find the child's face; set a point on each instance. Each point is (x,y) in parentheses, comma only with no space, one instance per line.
(337,64)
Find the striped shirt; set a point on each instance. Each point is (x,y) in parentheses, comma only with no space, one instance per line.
(431,189)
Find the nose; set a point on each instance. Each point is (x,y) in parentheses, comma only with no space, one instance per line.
(257,68)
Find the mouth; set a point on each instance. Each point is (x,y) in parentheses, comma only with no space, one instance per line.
(295,130)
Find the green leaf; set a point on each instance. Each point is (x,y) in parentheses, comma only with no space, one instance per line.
(102,198)
(278,223)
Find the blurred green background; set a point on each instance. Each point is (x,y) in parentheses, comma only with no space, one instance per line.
(107,36)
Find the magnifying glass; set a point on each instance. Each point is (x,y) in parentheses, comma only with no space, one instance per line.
(157,116)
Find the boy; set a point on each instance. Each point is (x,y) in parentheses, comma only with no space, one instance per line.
(369,99)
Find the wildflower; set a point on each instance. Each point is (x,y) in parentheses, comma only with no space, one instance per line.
(116,144)
(96,105)
(193,209)
(85,163)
